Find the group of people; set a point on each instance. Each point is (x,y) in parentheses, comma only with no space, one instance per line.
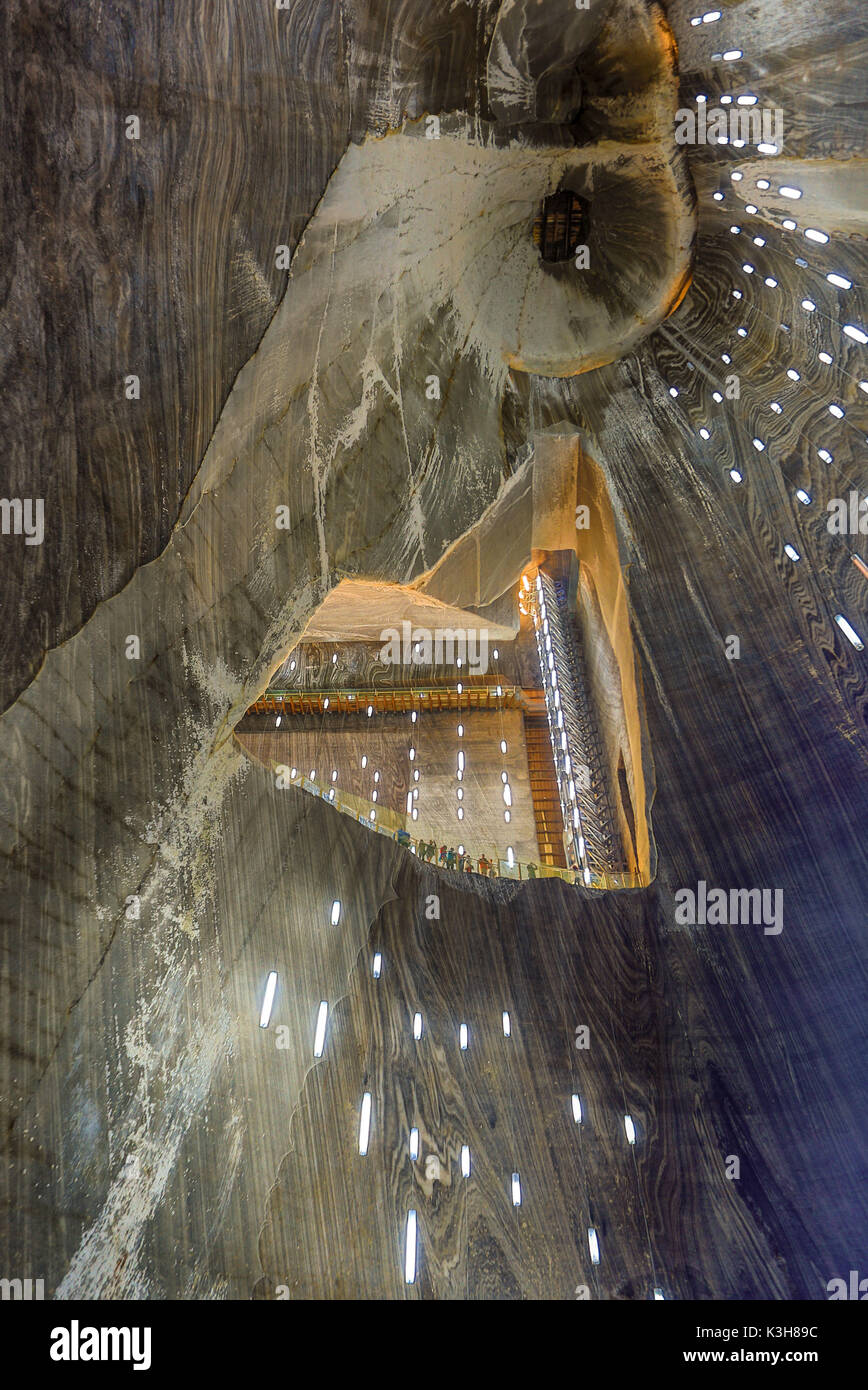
(450,858)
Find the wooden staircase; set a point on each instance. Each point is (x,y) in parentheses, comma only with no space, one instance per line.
(544,791)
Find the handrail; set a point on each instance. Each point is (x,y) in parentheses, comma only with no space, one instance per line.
(406,696)
(518,871)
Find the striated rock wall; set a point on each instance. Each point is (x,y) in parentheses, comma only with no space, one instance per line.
(155,1141)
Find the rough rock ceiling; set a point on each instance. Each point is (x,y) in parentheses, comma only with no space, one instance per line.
(153,875)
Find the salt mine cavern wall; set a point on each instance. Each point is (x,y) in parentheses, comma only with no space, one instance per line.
(156,1142)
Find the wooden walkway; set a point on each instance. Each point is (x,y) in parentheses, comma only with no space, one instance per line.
(488,695)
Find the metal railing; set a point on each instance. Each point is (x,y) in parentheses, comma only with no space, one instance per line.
(390,824)
(476,694)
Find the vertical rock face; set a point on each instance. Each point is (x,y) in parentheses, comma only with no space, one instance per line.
(153,250)
(151,256)
(156,1141)
(533,67)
